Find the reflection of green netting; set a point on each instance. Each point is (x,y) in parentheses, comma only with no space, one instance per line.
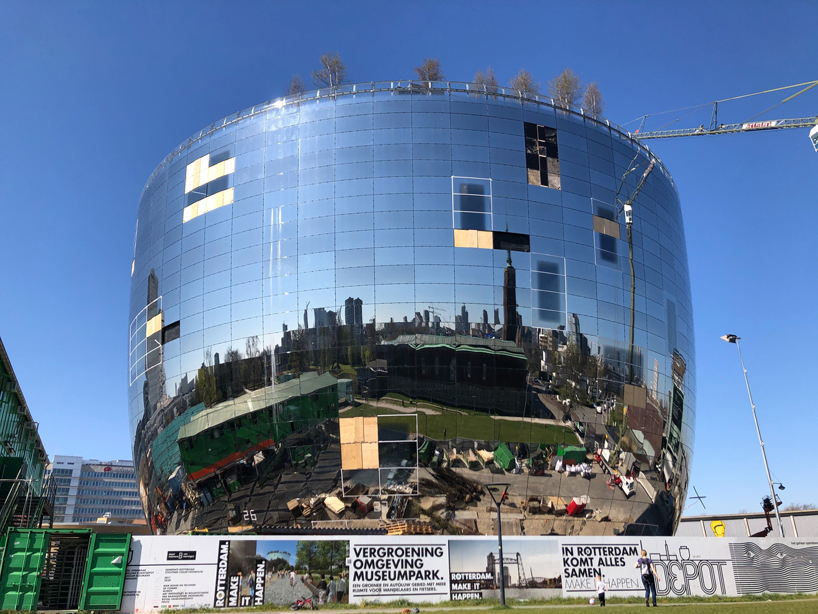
(451,425)
(426,451)
(164,450)
(300,452)
(503,457)
(572,453)
(229,431)
(18,430)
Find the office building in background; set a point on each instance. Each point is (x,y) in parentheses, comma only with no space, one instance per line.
(87,490)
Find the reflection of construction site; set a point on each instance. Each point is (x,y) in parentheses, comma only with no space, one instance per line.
(514,561)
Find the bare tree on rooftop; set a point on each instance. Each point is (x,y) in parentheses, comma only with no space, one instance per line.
(566,88)
(430,70)
(296,86)
(593,102)
(486,79)
(797,507)
(524,82)
(333,71)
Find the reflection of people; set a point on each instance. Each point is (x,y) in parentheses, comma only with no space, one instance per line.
(601,589)
(251,583)
(342,588)
(648,571)
(333,589)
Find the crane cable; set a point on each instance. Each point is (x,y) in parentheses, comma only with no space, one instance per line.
(783,101)
(698,107)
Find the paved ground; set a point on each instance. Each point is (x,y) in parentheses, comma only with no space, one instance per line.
(279,592)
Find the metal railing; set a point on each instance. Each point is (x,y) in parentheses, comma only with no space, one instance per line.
(430,88)
(24,501)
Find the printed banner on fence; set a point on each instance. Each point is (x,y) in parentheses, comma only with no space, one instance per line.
(384,569)
(690,566)
(227,572)
(530,567)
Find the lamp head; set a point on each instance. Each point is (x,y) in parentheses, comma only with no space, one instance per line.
(730,338)
(628,213)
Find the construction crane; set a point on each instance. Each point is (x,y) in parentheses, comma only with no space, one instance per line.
(798,122)
(626,207)
(714,127)
(434,311)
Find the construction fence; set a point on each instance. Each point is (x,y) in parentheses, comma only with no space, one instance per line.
(49,569)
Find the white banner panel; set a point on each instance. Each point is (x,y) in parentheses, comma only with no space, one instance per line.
(697,566)
(170,572)
(389,568)
(225,571)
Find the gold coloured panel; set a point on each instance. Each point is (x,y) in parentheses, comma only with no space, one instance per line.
(351,430)
(214,201)
(369,456)
(465,238)
(351,456)
(154,325)
(196,173)
(606,227)
(483,239)
(370,429)
(199,172)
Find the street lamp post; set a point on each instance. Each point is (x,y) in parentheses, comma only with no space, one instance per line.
(500,536)
(734,339)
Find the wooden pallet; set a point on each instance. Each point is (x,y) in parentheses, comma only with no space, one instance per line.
(409,528)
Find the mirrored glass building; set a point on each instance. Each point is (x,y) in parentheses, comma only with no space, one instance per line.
(361,304)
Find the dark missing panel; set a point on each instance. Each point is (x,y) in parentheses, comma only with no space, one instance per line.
(170,332)
(512,241)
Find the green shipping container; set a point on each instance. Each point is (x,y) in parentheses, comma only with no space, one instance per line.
(504,458)
(62,570)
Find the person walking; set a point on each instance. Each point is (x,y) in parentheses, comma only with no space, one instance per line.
(322,590)
(333,589)
(342,588)
(648,571)
(601,589)
(292,578)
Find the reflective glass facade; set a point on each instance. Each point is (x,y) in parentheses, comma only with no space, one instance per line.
(394,291)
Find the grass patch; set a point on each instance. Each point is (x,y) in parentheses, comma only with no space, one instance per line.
(476,426)
(747,604)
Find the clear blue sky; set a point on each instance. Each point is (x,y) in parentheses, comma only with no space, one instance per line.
(94,95)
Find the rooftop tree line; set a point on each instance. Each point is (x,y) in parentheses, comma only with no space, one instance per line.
(566,88)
